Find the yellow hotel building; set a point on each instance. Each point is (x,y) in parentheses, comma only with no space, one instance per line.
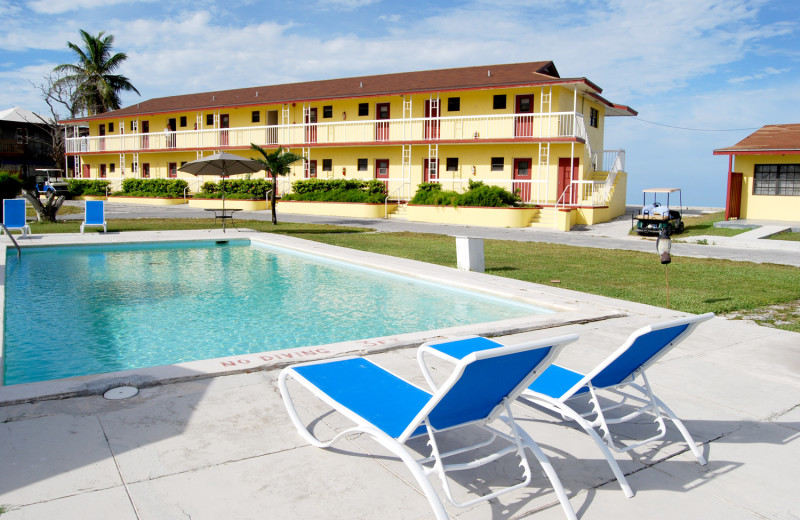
(764,175)
(520,126)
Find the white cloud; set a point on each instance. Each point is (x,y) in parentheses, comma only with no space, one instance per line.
(345,5)
(769,71)
(63,6)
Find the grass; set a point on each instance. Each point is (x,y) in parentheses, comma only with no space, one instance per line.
(788,236)
(704,225)
(696,285)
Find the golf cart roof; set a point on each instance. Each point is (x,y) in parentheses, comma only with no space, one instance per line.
(661,190)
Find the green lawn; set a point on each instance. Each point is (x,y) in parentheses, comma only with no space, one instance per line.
(704,225)
(789,236)
(697,285)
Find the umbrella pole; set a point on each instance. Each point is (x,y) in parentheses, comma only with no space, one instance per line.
(223,201)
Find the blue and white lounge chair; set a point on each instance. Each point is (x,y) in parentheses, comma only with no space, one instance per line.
(558,388)
(14,216)
(392,411)
(94,214)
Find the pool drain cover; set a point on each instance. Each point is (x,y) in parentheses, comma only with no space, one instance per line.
(121,392)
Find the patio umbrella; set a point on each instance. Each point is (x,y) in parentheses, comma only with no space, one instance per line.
(222,164)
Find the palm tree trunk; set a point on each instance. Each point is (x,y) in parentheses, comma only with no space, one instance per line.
(274,190)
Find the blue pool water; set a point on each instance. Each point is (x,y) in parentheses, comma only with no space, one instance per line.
(86,310)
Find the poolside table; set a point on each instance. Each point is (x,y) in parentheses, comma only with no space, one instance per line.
(224,214)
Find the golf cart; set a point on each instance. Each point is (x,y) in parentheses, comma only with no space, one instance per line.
(659,214)
(49,180)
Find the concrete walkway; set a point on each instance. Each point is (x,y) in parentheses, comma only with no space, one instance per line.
(223,447)
(610,235)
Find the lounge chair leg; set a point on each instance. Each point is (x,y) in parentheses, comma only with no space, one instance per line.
(529,443)
(685,432)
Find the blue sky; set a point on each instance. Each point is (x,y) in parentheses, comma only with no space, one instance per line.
(703,74)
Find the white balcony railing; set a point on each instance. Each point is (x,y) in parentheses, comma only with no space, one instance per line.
(469,128)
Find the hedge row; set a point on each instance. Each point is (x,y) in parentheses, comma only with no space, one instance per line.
(478,194)
(338,190)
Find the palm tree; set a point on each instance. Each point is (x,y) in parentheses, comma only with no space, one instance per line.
(275,163)
(97,88)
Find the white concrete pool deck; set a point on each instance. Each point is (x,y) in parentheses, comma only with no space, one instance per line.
(223,447)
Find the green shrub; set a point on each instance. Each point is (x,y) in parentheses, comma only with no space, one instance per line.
(338,190)
(478,194)
(236,189)
(10,185)
(79,187)
(172,188)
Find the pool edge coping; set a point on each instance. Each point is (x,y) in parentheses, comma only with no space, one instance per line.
(569,311)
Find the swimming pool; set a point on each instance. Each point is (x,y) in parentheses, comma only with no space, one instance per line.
(94,309)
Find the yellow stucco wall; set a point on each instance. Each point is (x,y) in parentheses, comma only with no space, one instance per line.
(765,207)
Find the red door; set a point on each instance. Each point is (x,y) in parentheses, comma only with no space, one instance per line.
(522,173)
(311,125)
(102,174)
(431,120)
(524,119)
(145,170)
(565,177)
(311,169)
(734,207)
(382,127)
(429,175)
(102,132)
(382,171)
(86,171)
(172,170)
(145,137)
(224,124)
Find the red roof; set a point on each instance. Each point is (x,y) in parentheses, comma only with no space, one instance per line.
(767,139)
(488,76)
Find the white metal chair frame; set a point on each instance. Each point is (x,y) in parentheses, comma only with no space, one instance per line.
(646,401)
(516,438)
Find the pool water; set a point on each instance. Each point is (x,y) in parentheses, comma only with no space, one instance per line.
(86,310)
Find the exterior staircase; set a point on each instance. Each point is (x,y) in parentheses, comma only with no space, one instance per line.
(545,218)
(400,213)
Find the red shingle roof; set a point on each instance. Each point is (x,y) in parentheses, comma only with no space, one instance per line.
(489,76)
(770,138)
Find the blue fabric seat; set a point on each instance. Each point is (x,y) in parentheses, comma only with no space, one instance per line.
(94,214)
(14,216)
(558,389)
(391,410)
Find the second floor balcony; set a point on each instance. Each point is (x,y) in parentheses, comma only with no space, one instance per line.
(498,128)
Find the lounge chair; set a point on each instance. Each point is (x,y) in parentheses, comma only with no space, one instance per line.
(14,216)
(392,411)
(558,388)
(94,214)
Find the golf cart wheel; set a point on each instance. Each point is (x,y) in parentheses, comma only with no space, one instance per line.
(680,228)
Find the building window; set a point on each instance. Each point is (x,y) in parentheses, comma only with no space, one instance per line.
(363,165)
(133,125)
(594,115)
(110,127)
(183,121)
(363,109)
(327,112)
(255,117)
(209,119)
(327,165)
(499,102)
(453,104)
(776,179)
(452,164)
(111,168)
(498,163)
